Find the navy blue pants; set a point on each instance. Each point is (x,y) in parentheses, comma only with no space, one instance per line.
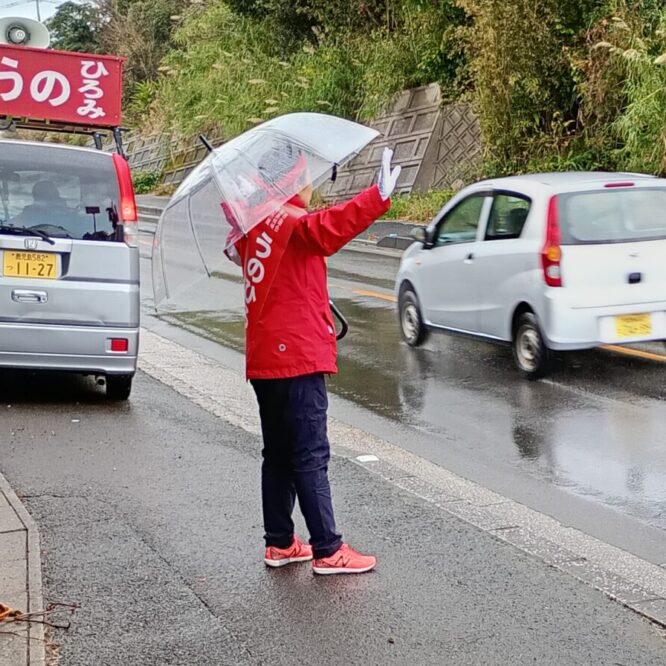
(295,460)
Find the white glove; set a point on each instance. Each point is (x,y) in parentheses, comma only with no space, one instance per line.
(387,179)
(232,255)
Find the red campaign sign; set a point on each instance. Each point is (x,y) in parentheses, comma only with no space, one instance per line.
(60,86)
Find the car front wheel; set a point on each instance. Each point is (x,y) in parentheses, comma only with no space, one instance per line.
(118,387)
(414,331)
(532,356)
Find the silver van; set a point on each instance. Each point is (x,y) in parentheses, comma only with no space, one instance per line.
(69,263)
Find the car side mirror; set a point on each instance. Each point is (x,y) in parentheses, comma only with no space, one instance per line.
(419,234)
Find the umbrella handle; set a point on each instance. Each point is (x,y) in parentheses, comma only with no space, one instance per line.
(204,139)
(341,318)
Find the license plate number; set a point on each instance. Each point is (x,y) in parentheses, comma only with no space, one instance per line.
(630,326)
(30,264)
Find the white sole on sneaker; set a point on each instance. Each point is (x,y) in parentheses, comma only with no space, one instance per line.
(325,571)
(287,560)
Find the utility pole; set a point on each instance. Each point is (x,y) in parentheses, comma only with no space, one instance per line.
(39,15)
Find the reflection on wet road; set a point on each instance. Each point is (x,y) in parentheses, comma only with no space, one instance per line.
(596,428)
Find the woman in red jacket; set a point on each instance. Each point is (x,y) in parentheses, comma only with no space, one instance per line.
(290,347)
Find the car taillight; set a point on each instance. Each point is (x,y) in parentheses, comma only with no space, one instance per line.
(119,344)
(551,255)
(127,213)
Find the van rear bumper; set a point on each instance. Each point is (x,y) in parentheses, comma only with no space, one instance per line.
(85,349)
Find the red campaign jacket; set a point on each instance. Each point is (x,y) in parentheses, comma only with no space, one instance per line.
(289,328)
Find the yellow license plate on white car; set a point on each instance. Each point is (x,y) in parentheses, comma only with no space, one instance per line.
(633,326)
(30,264)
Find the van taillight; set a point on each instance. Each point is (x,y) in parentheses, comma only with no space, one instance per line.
(128,212)
(551,254)
(119,344)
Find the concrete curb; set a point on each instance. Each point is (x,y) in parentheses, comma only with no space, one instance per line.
(634,582)
(19,545)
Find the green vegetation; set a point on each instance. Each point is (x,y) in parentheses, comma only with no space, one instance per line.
(557,84)
(415,207)
(231,69)
(75,27)
(418,206)
(146,181)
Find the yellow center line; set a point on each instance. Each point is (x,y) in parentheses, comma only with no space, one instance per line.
(627,351)
(364,292)
(375,294)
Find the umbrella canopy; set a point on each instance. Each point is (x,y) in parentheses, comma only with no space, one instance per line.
(236,187)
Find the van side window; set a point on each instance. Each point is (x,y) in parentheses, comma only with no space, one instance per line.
(460,224)
(507,216)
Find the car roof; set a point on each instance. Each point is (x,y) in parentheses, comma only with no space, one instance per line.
(564,180)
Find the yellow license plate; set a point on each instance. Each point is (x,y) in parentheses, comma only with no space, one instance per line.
(30,264)
(631,326)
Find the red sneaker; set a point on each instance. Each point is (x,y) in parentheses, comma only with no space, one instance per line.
(345,560)
(297,552)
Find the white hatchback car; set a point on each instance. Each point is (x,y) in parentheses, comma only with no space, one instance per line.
(545,262)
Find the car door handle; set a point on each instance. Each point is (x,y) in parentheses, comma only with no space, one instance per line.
(469,258)
(27,296)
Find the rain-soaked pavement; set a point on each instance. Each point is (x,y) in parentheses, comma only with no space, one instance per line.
(594,430)
(148,510)
(150,528)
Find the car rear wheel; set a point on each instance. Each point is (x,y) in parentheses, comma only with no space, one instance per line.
(532,356)
(118,387)
(414,332)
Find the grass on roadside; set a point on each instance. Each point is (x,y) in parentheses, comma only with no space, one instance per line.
(164,189)
(417,206)
(146,181)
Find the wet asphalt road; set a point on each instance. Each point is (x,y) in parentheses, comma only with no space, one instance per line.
(595,428)
(150,522)
(586,445)
(149,518)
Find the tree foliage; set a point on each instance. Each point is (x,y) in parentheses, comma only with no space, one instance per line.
(557,84)
(626,85)
(524,89)
(140,30)
(76,27)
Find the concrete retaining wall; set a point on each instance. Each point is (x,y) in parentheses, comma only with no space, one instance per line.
(438,146)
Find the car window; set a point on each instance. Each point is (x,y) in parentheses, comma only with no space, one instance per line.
(460,224)
(507,216)
(616,215)
(63,192)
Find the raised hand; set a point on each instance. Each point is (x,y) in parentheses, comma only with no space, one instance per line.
(387,179)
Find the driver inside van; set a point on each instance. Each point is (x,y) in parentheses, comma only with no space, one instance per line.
(46,201)
(46,193)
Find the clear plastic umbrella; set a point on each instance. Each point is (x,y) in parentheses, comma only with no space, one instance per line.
(236,187)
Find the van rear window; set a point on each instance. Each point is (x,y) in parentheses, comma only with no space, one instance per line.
(63,192)
(614,215)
